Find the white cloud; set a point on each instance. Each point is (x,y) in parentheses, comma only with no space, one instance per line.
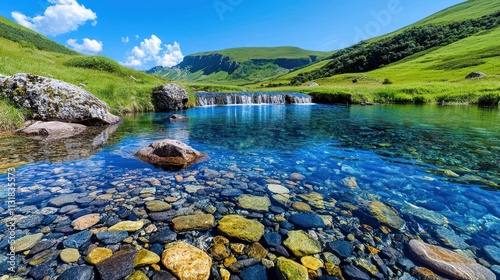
(125,39)
(88,47)
(152,50)
(137,36)
(61,18)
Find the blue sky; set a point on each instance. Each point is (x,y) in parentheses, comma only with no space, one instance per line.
(143,34)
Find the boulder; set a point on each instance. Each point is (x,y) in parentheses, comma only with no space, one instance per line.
(52,129)
(169,97)
(449,262)
(475,75)
(53,100)
(169,154)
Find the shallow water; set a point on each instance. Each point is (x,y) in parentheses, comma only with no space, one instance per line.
(442,161)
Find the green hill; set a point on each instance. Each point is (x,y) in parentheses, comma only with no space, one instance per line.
(240,65)
(25,51)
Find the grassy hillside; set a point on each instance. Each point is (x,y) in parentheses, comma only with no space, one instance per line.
(246,54)
(124,89)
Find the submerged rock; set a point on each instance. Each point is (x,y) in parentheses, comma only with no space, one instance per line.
(307,221)
(194,222)
(239,227)
(53,100)
(27,242)
(169,97)
(301,244)
(169,154)
(290,270)
(86,221)
(118,266)
(449,262)
(52,129)
(255,203)
(186,261)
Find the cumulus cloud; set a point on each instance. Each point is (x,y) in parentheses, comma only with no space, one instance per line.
(125,39)
(61,18)
(152,50)
(88,47)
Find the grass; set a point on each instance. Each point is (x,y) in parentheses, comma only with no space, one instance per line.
(10,116)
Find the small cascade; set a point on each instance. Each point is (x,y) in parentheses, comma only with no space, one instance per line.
(250,98)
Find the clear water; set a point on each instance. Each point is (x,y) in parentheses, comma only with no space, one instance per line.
(400,155)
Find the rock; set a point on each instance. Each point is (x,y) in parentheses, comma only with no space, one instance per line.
(42,246)
(475,75)
(169,154)
(311,262)
(450,238)
(231,192)
(253,273)
(157,206)
(112,237)
(27,242)
(290,270)
(372,269)
(313,84)
(40,271)
(350,182)
(98,254)
(272,239)
(84,222)
(138,275)
(301,206)
(423,214)
(194,222)
(386,215)
(118,266)
(307,221)
(220,251)
(69,255)
(241,265)
(186,261)
(353,272)
(239,227)
(255,203)
(30,222)
(65,199)
(130,226)
(53,100)
(301,244)
(283,199)
(176,117)
(424,273)
(449,262)
(314,199)
(342,249)
(52,129)
(194,188)
(493,252)
(277,189)
(77,240)
(77,273)
(255,250)
(169,97)
(146,257)
(163,237)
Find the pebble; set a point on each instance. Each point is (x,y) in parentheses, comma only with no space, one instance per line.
(77,240)
(39,272)
(301,244)
(352,272)
(231,192)
(158,206)
(277,189)
(118,266)
(130,226)
(255,203)
(85,222)
(311,262)
(272,239)
(42,246)
(27,242)
(77,273)
(289,269)
(146,257)
(112,237)
(301,207)
(307,221)
(241,265)
(163,236)
(239,227)
(194,222)
(30,222)
(186,261)
(69,255)
(450,238)
(97,255)
(254,272)
(493,252)
(65,199)
(343,249)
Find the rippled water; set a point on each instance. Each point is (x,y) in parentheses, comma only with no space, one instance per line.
(427,162)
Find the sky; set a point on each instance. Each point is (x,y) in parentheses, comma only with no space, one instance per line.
(148,33)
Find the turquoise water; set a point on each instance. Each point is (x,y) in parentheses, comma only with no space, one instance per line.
(442,161)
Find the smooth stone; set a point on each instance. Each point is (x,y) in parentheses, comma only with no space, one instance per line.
(307,221)
(311,262)
(450,238)
(255,203)
(163,237)
(301,244)
(77,273)
(420,272)
(65,199)
(98,254)
(343,249)
(41,271)
(290,270)
(255,250)
(30,222)
(148,191)
(424,214)
(277,189)
(138,275)
(194,222)
(314,199)
(112,237)
(254,272)
(157,206)
(146,257)
(352,272)
(84,222)
(241,265)
(69,255)
(169,154)
(231,192)
(118,266)
(272,239)
(44,257)
(186,261)
(386,215)
(283,199)
(42,246)
(239,227)
(194,188)
(130,226)
(372,269)
(449,262)
(297,177)
(493,252)
(219,251)
(301,207)
(163,275)
(77,240)
(27,242)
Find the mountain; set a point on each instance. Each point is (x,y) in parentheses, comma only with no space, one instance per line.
(25,51)
(240,65)
(451,44)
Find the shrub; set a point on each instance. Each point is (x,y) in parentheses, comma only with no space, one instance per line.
(490,100)
(387,82)
(97,62)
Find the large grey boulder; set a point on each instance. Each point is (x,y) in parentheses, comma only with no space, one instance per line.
(169,154)
(53,100)
(169,97)
(475,75)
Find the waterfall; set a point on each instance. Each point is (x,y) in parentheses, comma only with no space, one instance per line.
(247,98)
